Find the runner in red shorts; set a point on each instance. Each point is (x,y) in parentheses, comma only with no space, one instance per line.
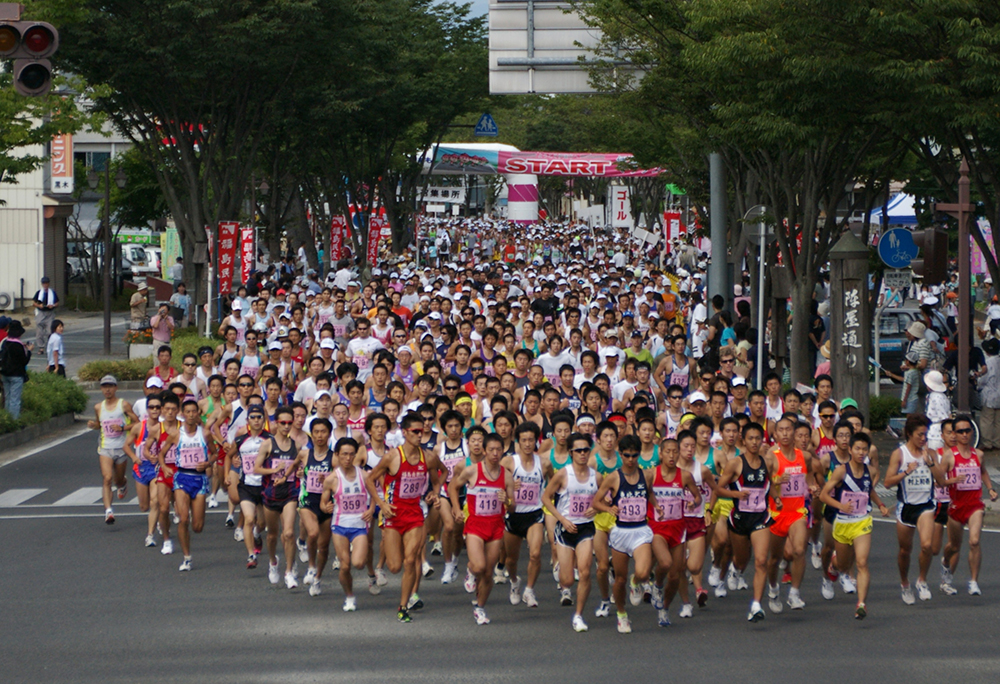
(489,490)
(406,472)
(793,470)
(668,484)
(966,504)
(696,516)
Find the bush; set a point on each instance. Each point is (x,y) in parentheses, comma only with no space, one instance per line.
(85,303)
(45,396)
(123,370)
(881,409)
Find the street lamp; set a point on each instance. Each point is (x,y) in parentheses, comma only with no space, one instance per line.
(93,180)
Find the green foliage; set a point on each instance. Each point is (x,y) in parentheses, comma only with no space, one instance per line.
(85,303)
(881,409)
(122,370)
(45,395)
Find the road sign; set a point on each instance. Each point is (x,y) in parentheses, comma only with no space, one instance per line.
(487,127)
(897,249)
(897,280)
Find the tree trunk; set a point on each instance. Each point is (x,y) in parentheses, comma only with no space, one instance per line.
(802,291)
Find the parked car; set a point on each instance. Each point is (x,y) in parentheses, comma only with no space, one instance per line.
(892,340)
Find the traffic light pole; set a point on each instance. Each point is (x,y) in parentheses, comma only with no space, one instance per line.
(962,211)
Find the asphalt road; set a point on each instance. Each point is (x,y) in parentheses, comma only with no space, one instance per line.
(86,602)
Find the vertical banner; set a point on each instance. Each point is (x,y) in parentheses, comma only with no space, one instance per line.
(621,207)
(375,225)
(671,227)
(248,253)
(170,249)
(338,233)
(61,171)
(978,260)
(227,254)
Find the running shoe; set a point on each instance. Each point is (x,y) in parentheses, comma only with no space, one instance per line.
(290,580)
(185,565)
(634,592)
(578,624)
(647,592)
(515,592)
(499,575)
(213,502)
(756,613)
(315,589)
(310,576)
(450,573)
(258,544)
(303,550)
(380,577)
(946,576)
(947,589)
(273,574)
(168,547)
(826,589)
(741,584)
(624,626)
(109,517)
(687,610)
(974,588)
(123,490)
(426,569)
(702,598)
(817,556)
(603,609)
(860,613)
(150,540)
(923,591)
(529,597)
(732,578)
(848,585)
(436,549)
(713,577)
(230,521)
(662,618)
(480,615)
(657,597)
(565,597)
(373,588)
(907,593)
(720,591)
(251,561)
(555,572)
(350,604)
(335,564)
(774,599)
(403,615)
(795,601)
(470,582)
(175,519)
(414,603)
(238,534)
(786,577)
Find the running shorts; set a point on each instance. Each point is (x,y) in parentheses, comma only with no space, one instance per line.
(116,455)
(627,539)
(144,472)
(519,523)
(584,531)
(847,532)
(405,520)
(962,513)
(745,524)
(721,509)
(167,480)
(278,505)
(350,532)
(694,527)
(674,532)
(941,512)
(784,520)
(604,522)
(486,527)
(908,514)
(193,484)
(313,506)
(250,493)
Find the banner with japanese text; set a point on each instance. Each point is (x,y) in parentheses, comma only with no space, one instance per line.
(375,226)
(61,165)
(228,235)
(338,234)
(672,226)
(247,253)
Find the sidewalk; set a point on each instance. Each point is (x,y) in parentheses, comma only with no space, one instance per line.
(83,339)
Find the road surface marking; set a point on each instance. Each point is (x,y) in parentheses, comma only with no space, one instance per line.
(84,496)
(13,497)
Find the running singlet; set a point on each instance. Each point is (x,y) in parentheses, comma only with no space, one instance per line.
(374,405)
(855,491)
(405,489)
(313,474)
(250,365)
(113,433)
(698,511)
(826,445)
(140,450)
(943,494)
(451,458)
(350,501)
(247,448)
(280,459)
(916,488)
(968,491)
(527,485)
(192,450)
(631,500)
(669,496)
(576,497)
(485,497)
(793,492)
(754,482)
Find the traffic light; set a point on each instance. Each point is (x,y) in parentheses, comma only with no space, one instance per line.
(934,265)
(29,43)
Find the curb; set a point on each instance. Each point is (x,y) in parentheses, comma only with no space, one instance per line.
(123,385)
(32,432)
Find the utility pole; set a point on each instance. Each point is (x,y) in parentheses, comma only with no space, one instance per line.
(93,180)
(719,215)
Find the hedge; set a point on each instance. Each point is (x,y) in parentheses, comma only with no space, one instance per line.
(881,409)
(45,396)
(185,340)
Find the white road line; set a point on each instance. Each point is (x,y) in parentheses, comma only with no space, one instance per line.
(84,496)
(48,445)
(96,516)
(13,497)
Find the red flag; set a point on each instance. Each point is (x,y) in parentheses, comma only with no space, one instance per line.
(247,255)
(227,254)
(375,225)
(338,233)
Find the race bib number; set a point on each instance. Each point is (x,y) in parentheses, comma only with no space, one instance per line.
(354,503)
(190,457)
(338,330)
(919,480)
(578,505)
(756,500)
(450,464)
(632,510)
(528,494)
(412,485)
(361,361)
(252,371)
(488,502)
(113,428)
(282,465)
(671,500)
(314,481)
(249,462)
(795,486)
(858,501)
(971,478)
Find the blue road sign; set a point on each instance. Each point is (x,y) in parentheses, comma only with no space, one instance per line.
(897,249)
(487,127)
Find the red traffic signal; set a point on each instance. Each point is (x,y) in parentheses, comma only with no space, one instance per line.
(934,265)
(29,43)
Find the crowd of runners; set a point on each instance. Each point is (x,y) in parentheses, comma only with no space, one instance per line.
(560,404)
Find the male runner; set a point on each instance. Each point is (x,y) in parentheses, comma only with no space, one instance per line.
(112,417)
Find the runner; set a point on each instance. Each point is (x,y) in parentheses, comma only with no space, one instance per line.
(942,499)
(850,490)
(490,490)
(318,463)
(112,418)
(167,456)
(526,522)
(241,460)
(696,515)
(452,451)
(277,461)
(722,550)
(606,459)
(825,466)
(144,463)
(967,504)
(574,532)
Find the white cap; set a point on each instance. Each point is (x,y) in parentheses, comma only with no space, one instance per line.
(697,396)
(154,382)
(237,305)
(328,344)
(737,381)
(434,316)
(322,393)
(609,352)
(274,346)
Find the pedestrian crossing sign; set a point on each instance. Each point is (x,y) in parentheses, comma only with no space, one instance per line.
(487,127)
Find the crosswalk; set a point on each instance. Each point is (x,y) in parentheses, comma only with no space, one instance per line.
(33,498)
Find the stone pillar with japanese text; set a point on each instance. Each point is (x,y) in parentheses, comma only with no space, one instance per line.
(850,320)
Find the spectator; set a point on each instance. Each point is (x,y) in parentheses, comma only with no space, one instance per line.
(14,358)
(163,325)
(176,272)
(137,304)
(989,388)
(911,384)
(938,406)
(920,345)
(54,352)
(182,300)
(824,367)
(45,302)
(4,322)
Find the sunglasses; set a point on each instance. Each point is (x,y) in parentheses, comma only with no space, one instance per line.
(728,361)
(827,415)
(580,450)
(451,388)
(285,422)
(246,384)
(190,364)
(964,431)
(416,430)
(676,396)
(630,455)
(150,407)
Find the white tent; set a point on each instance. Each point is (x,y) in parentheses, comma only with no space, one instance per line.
(901,211)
